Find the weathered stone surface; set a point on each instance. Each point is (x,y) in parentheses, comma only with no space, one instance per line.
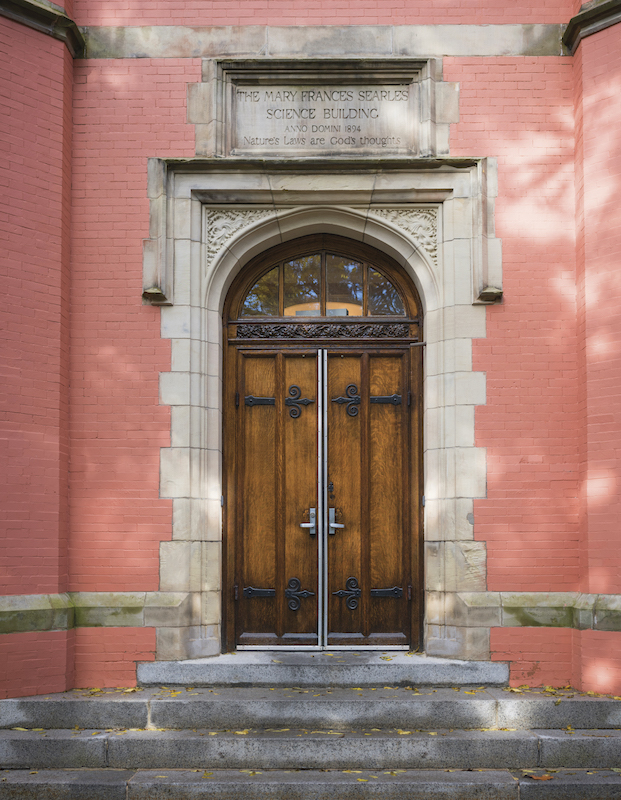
(320,785)
(303,749)
(58,784)
(534,710)
(110,710)
(571,785)
(320,708)
(367,668)
(52,749)
(594,748)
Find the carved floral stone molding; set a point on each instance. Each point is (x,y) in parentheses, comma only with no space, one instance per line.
(421,225)
(222,225)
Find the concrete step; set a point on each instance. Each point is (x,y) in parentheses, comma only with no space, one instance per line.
(310,785)
(355,707)
(332,668)
(310,749)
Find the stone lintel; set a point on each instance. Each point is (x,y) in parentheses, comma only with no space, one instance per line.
(47,18)
(336,41)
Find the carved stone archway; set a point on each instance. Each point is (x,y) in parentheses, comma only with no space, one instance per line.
(435,221)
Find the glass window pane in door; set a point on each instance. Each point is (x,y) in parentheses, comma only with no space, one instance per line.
(262,299)
(344,287)
(302,288)
(384,300)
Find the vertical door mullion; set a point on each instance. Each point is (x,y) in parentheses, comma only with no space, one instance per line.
(323,493)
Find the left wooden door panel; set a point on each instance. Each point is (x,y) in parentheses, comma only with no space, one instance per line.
(276,486)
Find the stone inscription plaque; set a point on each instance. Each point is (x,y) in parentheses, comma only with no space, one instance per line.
(284,121)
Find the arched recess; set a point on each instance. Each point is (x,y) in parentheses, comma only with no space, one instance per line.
(322,317)
(444,254)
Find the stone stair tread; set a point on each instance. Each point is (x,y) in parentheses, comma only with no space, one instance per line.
(382,706)
(327,668)
(285,749)
(166,784)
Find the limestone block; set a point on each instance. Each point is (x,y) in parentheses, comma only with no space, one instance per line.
(197,519)
(470,471)
(448,519)
(172,609)
(180,566)
(607,616)
(455,566)
(108,609)
(180,355)
(533,609)
(213,474)
(180,426)
(470,388)
(182,268)
(206,644)
(174,472)
(201,100)
(469,644)
(174,644)
(212,566)
(584,611)
(464,609)
(211,608)
(206,138)
(328,40)
(175,322)
(447,102)
(473,609)
(35,612)
(175,388)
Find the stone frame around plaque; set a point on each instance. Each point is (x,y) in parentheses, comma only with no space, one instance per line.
(421,123)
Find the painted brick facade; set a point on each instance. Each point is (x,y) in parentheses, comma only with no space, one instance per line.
(81,414)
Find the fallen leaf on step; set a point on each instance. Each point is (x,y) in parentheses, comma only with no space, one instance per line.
(363,780)
(541,777)
(352,771)
(19,729)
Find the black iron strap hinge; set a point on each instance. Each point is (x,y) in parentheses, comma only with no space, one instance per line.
(395,591)
(252,591)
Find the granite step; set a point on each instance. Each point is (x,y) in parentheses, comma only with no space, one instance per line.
(317,707)
(332,668)
(310,749)
(408,784)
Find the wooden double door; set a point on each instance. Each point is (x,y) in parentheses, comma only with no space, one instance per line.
(324,466)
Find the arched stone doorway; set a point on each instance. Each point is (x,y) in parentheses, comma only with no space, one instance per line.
(209,221)
(323,450)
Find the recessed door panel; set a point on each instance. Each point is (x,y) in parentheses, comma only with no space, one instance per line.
(324,486)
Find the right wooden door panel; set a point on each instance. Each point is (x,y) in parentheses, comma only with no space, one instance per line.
(368,560)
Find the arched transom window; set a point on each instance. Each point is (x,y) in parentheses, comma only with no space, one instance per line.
(323,284)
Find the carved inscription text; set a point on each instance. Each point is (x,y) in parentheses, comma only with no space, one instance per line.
(324,120)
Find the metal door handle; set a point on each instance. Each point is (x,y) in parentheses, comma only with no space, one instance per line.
(312,525)
(332,525)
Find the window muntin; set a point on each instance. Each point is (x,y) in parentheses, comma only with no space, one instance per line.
(323,284)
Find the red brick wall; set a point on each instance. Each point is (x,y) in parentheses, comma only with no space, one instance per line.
(124,113)
(34,224)
(521,110)
(318,12)
(108,656)
(36,662)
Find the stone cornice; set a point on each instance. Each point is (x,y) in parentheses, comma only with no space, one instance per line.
(46,18)
(593,17)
